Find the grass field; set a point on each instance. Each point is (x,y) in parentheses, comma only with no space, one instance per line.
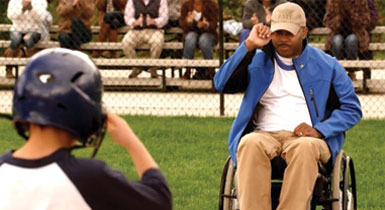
(191,152)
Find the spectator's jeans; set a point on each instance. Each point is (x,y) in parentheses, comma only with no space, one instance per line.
(244,34)
(29,39)
(205,42)
(345,47)
(79,34)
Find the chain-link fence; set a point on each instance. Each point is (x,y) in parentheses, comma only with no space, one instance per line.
(159,57)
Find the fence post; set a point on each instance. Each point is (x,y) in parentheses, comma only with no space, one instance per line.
(221,54)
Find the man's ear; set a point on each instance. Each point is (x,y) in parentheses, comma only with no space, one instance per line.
(304,32)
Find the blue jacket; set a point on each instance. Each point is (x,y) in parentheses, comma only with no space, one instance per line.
(329,93)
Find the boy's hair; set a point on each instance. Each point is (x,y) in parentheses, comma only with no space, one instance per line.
(60,88)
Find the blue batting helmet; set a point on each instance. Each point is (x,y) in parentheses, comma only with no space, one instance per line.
(60,88)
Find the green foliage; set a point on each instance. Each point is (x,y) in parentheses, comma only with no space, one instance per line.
(233,9)
(381,11)
(191,152)
(3,12)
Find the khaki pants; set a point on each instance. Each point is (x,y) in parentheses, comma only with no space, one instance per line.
(134,38)
(301,154)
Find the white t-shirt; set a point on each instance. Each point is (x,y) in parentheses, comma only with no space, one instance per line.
(60,181)
(283,106)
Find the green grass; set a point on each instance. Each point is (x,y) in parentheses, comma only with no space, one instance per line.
(191,152)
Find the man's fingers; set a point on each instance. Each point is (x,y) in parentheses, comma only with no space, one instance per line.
(262,31)
(301,130)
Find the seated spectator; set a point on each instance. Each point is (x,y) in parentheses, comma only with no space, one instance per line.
(348,21)
(146,19)
(74,25)
(199,21)
(174,9)
(314,10)
(30,23)
(254,12)
(373,15)
(57,108)
(368,55)
(110,19)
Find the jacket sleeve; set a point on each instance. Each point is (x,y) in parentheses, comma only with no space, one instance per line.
(182,19)
(360,14)
(101,5)
(233,75)
(64,8)
(349,113)
(15,10)
(86,8)
(121,4)
(212,17)
(373,15)
(39,10)
(332,19)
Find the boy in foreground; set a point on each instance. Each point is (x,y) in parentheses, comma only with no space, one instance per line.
(57,107)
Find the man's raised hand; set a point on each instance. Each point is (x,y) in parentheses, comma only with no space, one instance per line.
(259,36)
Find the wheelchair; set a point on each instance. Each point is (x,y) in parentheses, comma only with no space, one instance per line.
(335,189)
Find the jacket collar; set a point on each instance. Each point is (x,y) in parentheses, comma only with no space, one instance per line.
(299,62)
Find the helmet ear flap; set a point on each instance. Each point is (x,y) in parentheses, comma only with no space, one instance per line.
(22,129)
(98,137)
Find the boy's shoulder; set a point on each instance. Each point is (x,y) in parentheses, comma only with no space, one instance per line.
(5,156)
(62,157)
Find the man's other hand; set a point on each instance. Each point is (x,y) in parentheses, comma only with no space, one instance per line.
(304,129)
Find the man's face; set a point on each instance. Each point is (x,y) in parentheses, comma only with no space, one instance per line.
(288,45)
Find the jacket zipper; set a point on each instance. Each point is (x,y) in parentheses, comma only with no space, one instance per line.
(314,102)
(300,84)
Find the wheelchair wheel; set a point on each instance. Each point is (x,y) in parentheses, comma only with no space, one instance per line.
(344,184)
(349,186)
(228,194)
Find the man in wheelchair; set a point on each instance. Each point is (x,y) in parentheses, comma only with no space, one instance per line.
(298,104)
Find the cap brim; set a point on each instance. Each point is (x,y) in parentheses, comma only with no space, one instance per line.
(291,27)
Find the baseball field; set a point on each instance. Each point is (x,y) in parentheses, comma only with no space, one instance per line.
(191,152)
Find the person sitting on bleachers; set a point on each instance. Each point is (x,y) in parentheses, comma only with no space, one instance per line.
(348,21)
(315,11)
(368,55)
(199,21)
(254,12)
(174,8)
(110,20)
(74,25)
(146,18)
(30,23)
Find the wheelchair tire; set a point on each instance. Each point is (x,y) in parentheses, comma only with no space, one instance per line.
(344,193)
(349,186)
(227,194)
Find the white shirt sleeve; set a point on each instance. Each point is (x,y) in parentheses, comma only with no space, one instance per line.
(15,10)
(163,14)
(129,13)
